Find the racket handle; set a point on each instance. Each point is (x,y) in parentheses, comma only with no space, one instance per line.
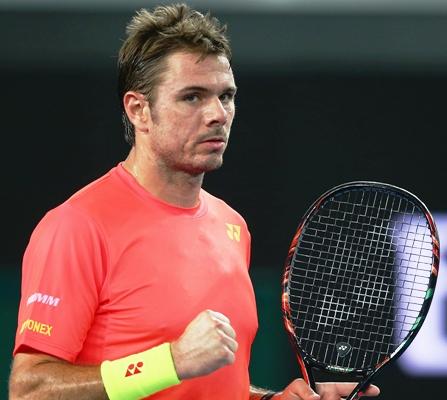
(358,392)
(311,382)
(307,373)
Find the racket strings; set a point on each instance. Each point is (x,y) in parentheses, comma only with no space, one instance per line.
(359,276)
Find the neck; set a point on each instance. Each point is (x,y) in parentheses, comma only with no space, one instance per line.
(174,187)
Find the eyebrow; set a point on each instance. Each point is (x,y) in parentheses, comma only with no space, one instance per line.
(231,89)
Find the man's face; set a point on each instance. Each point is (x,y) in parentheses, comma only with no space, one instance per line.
(192,113)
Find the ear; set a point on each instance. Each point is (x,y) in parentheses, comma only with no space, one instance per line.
(137,110)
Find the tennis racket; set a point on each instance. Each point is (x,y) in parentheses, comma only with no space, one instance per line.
(359,279)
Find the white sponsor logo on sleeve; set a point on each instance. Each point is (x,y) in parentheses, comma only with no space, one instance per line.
(44,299)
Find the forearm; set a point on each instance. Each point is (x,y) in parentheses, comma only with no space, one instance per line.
(56,380)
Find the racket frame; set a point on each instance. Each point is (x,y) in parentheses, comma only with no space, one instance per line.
(306,361)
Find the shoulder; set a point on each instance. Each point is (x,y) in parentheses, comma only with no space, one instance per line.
(65,227)
(78,214)
(101,190)
(102,202)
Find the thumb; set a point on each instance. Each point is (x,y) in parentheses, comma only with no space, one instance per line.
(299,390)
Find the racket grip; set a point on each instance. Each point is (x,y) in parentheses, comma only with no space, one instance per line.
(311,382)
(307,373)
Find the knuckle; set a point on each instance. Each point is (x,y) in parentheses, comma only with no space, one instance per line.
(233,333)
(230,357)
(224,354)
(221,337)
(207,314)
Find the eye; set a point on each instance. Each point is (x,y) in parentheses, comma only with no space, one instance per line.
(227,97)
(191,98)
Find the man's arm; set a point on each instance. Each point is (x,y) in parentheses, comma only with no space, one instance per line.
(208,343)
(40,376)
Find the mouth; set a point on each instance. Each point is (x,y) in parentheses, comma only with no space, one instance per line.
(215,140)
(214,143)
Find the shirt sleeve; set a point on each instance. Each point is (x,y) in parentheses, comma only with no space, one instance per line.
(62,275)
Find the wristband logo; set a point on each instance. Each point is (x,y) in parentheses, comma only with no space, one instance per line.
(134,369)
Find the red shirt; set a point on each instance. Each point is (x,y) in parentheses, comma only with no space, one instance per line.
(114,271)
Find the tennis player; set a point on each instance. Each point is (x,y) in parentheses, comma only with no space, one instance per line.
(137,286)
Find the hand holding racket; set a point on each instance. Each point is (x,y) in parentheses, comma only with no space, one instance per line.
(300,390)
(359,279)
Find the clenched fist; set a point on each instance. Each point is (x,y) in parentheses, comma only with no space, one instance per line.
(208,343)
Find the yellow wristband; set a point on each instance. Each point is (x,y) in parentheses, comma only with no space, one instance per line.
(139,375)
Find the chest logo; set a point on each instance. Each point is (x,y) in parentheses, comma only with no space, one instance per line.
(234,232)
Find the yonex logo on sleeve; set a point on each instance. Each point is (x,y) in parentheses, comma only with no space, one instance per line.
(234,232)
(44,299)
(37,327)
(134,369)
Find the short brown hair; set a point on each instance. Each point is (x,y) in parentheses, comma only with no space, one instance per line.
(151,36)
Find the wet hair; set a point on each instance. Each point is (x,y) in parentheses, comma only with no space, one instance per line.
(151,37)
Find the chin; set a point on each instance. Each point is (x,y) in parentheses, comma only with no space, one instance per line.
(212,165)
(208,166)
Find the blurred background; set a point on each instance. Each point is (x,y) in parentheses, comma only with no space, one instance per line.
(330,91)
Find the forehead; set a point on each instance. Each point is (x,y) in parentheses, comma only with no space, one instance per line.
(191,69)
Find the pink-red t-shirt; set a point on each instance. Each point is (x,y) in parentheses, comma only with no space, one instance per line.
(114,271)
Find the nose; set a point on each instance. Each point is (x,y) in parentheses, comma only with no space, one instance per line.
(216,113)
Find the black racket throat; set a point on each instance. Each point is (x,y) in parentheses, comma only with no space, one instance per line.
(313,372)
(359,279)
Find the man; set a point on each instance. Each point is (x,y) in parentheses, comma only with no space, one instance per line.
(137,285)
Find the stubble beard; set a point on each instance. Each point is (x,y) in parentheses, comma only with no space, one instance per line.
(203,163)
(212,163)
(197,163)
